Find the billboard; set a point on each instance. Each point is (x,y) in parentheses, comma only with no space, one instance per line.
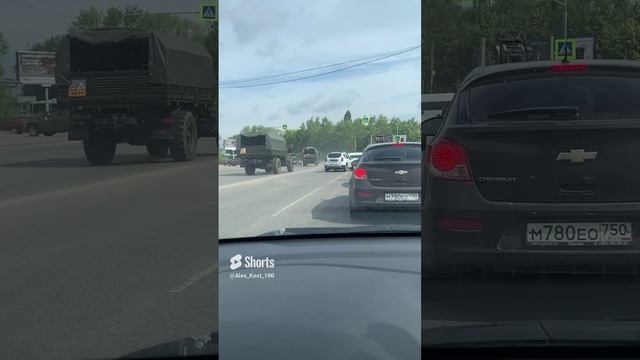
(36,67)
(230,144)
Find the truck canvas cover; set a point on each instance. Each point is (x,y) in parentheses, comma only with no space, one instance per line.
(262,145)
(168,59)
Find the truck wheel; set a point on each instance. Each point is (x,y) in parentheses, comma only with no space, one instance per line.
(185,141)
(158,148)
(290,166)
(249,170)
(276,166)
(32,131)
(100,148)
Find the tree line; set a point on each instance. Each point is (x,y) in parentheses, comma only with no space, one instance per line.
(346,134)
(453,28)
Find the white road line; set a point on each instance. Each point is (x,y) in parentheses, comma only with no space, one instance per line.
(194,279)
(263,178)
(297,201)
(116,181)
(337,178)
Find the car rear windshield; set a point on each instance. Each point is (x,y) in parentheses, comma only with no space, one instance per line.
(395,152)
(554,98)
(334,155)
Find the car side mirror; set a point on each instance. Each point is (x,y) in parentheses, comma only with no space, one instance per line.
(431,126)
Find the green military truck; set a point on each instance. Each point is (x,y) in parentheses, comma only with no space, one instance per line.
(264,151)
(138,87)
(310,155)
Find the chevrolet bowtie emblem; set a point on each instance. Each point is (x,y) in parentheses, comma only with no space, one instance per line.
(577,155)
(401,172)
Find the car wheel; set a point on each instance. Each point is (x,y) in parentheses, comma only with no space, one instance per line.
(249,170)
(326,169)
(184,145)
(32,131)
(276,166)
(48,133)
(100,148)
(354,212)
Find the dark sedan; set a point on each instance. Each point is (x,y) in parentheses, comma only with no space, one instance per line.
(48,123)
(387,177)
(534,169)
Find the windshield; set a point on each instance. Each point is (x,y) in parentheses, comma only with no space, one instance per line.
(529,221)
(108,139)
(319,91)
(393,152)
(592,97)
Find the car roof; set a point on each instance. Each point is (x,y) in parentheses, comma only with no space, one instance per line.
(371,146)
(531,66)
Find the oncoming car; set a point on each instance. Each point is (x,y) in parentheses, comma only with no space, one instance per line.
(387,177)
(533,169)
(355,157)
(337,161)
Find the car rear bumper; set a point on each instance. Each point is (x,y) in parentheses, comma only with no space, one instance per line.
(364,196)
(460,229)
(335,165)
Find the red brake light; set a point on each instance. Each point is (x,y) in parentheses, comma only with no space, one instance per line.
(360,174)
(568,68)
(448,160)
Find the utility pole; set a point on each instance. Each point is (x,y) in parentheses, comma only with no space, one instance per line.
(566,25)
(432,71)
(483,51)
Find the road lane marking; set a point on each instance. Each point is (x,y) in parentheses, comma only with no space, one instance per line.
(195,278)
(96,185)
(263,178)
(297,201)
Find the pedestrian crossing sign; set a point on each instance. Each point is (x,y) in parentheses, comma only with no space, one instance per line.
(565,49)
(209,12)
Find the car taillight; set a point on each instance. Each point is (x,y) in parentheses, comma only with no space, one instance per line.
(360,174)
(448,160)
(568,68)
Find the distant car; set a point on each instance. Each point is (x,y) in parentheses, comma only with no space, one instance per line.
(15,125)
(355,156)
(337,161)
(48,123)
(387,177)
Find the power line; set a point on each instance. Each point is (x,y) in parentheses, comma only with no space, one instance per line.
(310,69)
(325,73)
(40,9)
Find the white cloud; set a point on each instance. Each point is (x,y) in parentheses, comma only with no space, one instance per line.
(258,39)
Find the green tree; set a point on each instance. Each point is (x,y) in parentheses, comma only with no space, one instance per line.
(91,18)
(7,102)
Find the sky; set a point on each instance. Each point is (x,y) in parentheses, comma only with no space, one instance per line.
(262,38)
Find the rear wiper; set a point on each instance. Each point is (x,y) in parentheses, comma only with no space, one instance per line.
(559,111)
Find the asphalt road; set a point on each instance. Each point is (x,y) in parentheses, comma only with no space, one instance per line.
(308,197)
(97,262)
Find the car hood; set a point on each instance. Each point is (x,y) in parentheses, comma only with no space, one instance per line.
(439,334)
(331,298)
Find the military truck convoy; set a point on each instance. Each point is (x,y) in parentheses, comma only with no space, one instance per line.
(138,87)
(264,151)
(310,155)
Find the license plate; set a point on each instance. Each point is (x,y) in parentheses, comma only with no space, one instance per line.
(77,88)
(579,234)
(401,197)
